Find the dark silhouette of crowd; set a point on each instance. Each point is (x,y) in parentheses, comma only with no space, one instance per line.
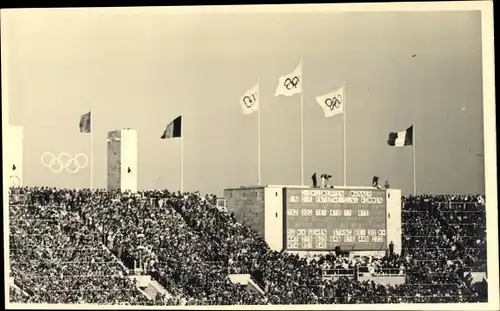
(68,246)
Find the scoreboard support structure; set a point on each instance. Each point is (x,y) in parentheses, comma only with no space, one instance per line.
(359,220)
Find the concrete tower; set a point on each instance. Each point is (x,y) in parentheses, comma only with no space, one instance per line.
(14,154)
(122,160)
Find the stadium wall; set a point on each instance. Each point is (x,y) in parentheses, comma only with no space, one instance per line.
(247,204)
(14,146)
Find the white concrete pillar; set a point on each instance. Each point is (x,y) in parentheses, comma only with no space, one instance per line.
(13,151)
(122,160)
(394,222)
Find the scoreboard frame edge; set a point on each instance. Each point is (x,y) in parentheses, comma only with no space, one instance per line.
(285,245)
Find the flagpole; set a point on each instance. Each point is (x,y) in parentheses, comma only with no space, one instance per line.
(258,134)
(414,162)
(345,141)
(182,158)
(91,167)
(302,123)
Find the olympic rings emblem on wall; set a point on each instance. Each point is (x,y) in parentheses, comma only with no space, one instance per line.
(291,83)
(333,102)
(249,101)
(64,162)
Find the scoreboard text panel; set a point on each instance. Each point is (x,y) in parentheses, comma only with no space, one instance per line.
(321,219)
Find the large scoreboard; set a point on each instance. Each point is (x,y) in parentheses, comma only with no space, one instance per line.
(321,219)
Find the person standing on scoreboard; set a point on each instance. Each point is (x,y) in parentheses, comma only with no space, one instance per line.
(325,178)
(327,183)
(314,180)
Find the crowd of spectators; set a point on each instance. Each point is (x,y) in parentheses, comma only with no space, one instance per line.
(450,229)
(56,258)
(62,243)
(17,295)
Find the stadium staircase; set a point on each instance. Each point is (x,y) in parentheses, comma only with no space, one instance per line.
(149,287)
(155,288)
(18,289)
(144,283)
(255,287)
(118,260)
(246,279)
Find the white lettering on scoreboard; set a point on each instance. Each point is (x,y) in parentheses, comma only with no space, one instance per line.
(325,218)
(336,196)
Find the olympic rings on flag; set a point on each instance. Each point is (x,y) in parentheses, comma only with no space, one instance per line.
(291,83)
(64,161)
(249,101)
(333,102)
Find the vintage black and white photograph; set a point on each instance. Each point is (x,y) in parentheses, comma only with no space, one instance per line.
(284,156)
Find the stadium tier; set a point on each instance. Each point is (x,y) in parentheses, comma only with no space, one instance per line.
(162,248)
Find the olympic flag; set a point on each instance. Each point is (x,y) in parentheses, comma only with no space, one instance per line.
(332,103)
(249,103)
(291,83)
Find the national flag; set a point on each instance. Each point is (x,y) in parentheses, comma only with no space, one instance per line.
(291,83)
(249,101)
(401,139)
(173,129)
(85,123)
(332,103)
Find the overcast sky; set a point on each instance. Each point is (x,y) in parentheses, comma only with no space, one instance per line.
(142,70)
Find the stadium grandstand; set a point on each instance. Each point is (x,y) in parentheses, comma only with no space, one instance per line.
(162,248)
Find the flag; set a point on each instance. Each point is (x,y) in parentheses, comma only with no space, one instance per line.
(249,101)
(291,83)
(85,122)
(332,103)
(401,139)
(173,129)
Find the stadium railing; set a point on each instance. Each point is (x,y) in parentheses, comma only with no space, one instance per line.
(338,273)
(371,273)
(384,276)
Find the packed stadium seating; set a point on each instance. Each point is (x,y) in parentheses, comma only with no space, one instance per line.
(67,246)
